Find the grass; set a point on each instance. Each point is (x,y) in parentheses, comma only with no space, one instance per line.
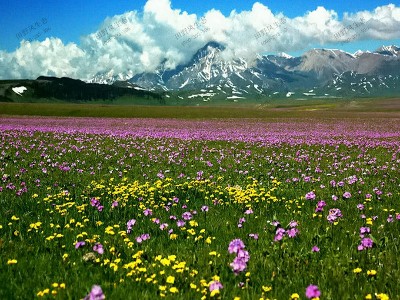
(275,108)
(58,189)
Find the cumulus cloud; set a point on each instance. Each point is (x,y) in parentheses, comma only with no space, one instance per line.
(137,42)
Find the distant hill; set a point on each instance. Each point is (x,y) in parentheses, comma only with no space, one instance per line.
(53,89)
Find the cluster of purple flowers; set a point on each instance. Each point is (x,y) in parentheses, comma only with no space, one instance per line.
(96,203)
(142,237)
(280,232)
(129,225)
(239,264)
(310,196)
(366,242)
(334,214)
(320,206)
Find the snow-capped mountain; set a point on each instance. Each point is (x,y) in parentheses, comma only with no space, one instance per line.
(317,73)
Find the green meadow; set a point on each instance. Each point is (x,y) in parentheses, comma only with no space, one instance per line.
(153,217)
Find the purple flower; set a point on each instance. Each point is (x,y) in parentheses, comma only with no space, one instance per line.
(254,236)
(187,216)
(360,206)
(310,196)
(215,285)
(248,212)
(315,249)
(244,255)
(147,212)
(241,221)
(334,197)
(280,232)
(320,206)
(389,219)
(163,226)
(364,230)
(79,244)
(129,225)
(292,232)
(95,294)
(114,204)
(180,223)
(346,195)
(334,214)
(236,245)
(98,248)
(204,208)
(275,223)
(143,237)
(238,265)
(365,243)
(293,224)
(94,202)
(312,291)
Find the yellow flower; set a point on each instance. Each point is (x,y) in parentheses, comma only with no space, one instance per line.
(14,218)
(55,285)
(357,270)
(173,290)
(214,292)
(172,257)
(371,272)
(369,296)
(162,287)
(12,262)
(62,285)
(171,279)
(382,296)
(173,236)
(193,286)
(266,288)
(294,296)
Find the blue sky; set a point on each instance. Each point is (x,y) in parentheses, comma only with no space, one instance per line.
(69,20)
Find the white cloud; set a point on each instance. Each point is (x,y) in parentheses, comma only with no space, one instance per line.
(140,41)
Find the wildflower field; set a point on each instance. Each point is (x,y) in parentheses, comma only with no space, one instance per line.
(289,208)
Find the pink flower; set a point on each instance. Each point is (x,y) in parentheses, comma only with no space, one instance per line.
(292,232)
(365,243)
(187,216)
(98,248)
(280,232)
(310,196)
(315,249)
(312,291)
(95,294)
(254,235)
(79,244)
(236,245)
(215,285)
(346,195)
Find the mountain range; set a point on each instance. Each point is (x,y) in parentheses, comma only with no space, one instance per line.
(209,78)
(318,73)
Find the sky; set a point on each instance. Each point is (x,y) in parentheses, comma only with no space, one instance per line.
(80,39)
